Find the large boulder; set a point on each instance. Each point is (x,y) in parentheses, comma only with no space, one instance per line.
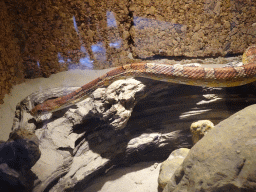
(223,160)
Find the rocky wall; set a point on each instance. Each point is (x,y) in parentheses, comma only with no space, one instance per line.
(193,28)
(47,37)
(10,61)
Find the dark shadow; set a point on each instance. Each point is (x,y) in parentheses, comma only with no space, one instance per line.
(179,58)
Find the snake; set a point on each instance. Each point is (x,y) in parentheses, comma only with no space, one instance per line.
(229,76)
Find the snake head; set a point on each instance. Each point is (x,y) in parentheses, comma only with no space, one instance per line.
(43,108)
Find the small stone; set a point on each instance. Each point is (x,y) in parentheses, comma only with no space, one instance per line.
(199,129)
(151,10)
(126,34)
(130,56)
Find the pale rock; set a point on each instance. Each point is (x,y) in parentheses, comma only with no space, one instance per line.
(199,129)
(169,166)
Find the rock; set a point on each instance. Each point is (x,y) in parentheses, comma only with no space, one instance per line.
(17,156)
(199,129)
(169,166)
(223,160)
(249,55)
(30,143)
(115,104)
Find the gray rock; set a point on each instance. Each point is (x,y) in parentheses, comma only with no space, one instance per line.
(28,151)
(17,156)
(223,160)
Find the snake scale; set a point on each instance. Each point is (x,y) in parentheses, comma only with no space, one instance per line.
(229,76)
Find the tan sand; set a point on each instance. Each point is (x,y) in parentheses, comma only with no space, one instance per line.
(141,177)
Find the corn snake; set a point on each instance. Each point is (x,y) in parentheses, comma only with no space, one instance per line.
(229,76)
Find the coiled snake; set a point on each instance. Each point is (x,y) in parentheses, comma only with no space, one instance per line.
(229,76)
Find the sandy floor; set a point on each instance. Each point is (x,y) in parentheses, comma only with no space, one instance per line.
(141,177)
(19,92)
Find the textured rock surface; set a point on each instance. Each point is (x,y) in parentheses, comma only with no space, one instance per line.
(191,28)
(11,68)
(81,142)
(223,160)
(169,166)
(199,129)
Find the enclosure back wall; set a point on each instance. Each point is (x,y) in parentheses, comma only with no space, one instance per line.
(39,37)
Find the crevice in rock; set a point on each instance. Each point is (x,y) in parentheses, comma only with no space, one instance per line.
(179,177)
(68,149)
(240,166)
(130,40)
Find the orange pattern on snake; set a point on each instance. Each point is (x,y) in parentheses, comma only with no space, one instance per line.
(229,76)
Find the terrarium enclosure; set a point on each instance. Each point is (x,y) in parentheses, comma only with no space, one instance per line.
(82,95)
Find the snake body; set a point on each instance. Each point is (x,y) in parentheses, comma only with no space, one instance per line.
(190,75)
